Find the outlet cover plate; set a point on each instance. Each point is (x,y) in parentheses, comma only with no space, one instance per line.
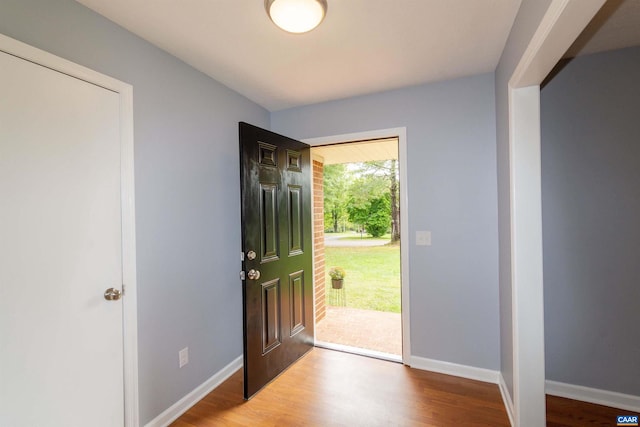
(183,356)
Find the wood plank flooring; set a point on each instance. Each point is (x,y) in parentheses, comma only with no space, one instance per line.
(563,412)
(329,388)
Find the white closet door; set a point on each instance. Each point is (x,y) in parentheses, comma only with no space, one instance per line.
(61,341)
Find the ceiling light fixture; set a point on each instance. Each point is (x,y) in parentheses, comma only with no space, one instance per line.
(296,16)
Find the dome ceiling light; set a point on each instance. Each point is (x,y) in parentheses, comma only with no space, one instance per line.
(296,16)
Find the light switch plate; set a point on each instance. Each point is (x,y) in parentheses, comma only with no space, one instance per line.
(423,238)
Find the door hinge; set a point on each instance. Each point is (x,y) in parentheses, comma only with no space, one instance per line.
(242,277)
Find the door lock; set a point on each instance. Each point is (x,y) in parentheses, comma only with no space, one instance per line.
(112,294)
(251,255)
(253,274)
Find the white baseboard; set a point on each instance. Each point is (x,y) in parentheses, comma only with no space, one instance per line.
(592,395)
(464,371)
(506,398)
(181,406)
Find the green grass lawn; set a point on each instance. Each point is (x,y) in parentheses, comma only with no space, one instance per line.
(373,276)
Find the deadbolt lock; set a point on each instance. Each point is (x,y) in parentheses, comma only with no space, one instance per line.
(251,255)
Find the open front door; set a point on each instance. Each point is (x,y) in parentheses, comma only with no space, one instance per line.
(275,173)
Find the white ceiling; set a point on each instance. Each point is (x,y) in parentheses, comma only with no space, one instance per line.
(363,46)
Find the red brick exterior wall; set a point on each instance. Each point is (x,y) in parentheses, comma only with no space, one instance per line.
(318,239)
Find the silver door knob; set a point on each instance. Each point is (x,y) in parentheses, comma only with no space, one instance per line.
(253,274)
(112,294)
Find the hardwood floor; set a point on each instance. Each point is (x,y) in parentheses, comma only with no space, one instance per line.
(563,412)
(329,388)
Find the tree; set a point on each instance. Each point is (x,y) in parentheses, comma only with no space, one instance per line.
(395,206)
(351,190)
(358,214)
(384,173)
(366,186)
(335,185)
(374,216)
(377,222)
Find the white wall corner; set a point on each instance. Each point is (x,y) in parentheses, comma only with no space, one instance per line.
(506,398)
(593,395)
(183,405)
(448,368)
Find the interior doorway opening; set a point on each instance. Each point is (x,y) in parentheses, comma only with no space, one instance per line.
(357,224)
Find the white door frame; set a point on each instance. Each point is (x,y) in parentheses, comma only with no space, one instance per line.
(401,134)
(560,26)
(125,92)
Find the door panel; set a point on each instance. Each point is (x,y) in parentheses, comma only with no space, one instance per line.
(270,315)
(269,222)
(276,225)
(296,286)
(61,347)
(296,232)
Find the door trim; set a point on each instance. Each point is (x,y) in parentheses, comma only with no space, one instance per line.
(125,93)
(401,134)
(560,26)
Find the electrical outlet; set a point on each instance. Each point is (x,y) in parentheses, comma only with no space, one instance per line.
(183,356)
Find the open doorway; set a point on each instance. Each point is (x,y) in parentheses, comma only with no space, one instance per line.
(357,239)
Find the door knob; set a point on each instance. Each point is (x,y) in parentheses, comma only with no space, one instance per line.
(253,274)
(112,294)
(251,255)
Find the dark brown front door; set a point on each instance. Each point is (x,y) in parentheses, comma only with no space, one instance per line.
(277,292)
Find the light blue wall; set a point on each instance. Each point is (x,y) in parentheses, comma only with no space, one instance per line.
(527,20)
(452,192)
(590,116)
(187,194)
